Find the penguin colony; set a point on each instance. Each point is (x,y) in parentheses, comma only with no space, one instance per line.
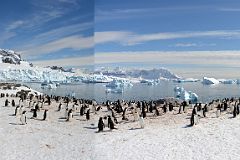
(118,111)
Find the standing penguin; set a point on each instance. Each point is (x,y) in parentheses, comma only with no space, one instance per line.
(34,113)
(82,111)
(110,123)
(23,118)
(6,103)
(59,107)
(45,115)
(13,103)
(66,113)
(234,111)
(17,111)
(70,116)
(88,114)
(100,125)
(141,122)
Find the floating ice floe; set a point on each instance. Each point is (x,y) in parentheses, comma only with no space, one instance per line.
(182,94)
(150,82)
(49,85)
(96,78)
(185,80)
(209,81)
(118,85)
(227,81)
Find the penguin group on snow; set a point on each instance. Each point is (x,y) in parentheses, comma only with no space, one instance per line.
(117,111)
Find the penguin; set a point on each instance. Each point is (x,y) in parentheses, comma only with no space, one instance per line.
(141,122)
(82,111)
(110,123)
(59,107)
(17,111)
(70,116)
(45,115)
(6,103)
(105,121)
(66,113)
(100,125)
(23,118)
(234,111)
(218,112)
(34,113)
(124,114)
(13,103)
(88,114)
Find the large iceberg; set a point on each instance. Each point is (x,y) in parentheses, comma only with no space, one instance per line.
(182,94)
(209,81)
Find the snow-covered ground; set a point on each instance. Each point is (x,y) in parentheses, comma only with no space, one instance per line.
(165,137)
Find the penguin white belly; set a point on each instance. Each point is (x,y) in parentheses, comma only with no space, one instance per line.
(141,122)
(196,119)
(70,118)
(23,119)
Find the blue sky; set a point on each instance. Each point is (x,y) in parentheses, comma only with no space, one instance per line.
(180,35)
(47,30)
(190,37)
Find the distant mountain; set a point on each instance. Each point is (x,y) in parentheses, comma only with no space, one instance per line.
(140,73)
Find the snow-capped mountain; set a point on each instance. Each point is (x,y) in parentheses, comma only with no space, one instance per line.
(9,56)
(13,68)
(140,73)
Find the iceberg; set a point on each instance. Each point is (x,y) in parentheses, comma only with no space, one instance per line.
(182,94)
(210,81)
(227,81)
(185,80)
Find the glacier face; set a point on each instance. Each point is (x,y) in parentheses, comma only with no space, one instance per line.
(21,72)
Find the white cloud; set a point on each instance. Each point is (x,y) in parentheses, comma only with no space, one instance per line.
(186,45)
(210,58)
(72,42)
(129,38)
(76,61)
(111,36)
(14,25)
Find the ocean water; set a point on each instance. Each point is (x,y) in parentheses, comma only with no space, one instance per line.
(143,91)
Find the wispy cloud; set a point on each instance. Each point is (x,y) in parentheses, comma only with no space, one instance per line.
(76,61)
(184,45)
(229,9)
(130,38)
(227,58)
(75,42)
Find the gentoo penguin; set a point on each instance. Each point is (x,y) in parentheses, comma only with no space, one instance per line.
(234,112)
(13,103)
(34,113)
(110,123)
(23,118)
(45,115)
(218,112)
(88,114)
(59,107)
(105,121)
(82,111)
(100,125)
(66,113)
(141,122)
(70,116)
(6,103)
(17,111)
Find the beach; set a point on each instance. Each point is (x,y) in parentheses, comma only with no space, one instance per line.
(163,137)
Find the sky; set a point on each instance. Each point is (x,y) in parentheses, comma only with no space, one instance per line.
(191,38)
(49,32)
